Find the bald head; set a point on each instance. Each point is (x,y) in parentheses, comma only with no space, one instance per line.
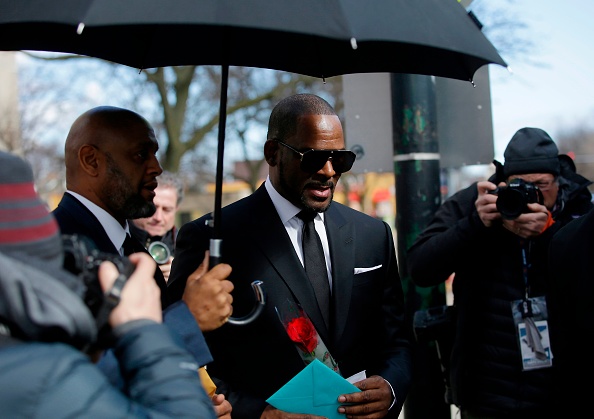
(110,157)
(98,126)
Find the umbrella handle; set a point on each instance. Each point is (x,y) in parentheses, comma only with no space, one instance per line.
(214,252)
(215,259)
(258,308)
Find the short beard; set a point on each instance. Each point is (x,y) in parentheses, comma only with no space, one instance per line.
(123,199)
(302,201)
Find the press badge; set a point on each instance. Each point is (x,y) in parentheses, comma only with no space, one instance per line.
(532,331)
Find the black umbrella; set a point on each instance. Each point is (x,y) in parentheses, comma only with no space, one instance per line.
(319,38)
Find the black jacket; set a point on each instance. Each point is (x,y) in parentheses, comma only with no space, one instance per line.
(572,315)
(486,368)
(253,361)
(74,217)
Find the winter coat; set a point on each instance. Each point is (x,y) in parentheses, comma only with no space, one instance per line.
(45,376)
(486,367)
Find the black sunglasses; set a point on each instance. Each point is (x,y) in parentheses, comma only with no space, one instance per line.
(313,160)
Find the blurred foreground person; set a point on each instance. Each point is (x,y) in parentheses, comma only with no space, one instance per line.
(157,232)
(571,264)
(46,327)
(494,236)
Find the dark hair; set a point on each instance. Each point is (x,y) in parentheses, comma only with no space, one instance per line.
(283,118)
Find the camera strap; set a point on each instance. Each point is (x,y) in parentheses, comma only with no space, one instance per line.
(111,300)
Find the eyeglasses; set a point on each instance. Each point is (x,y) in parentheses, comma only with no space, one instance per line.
(545,185)
(313,160)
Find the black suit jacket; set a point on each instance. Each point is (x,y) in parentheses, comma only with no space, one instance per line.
(74,218)
(253,361)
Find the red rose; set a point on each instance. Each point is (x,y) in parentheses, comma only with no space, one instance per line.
(302,332)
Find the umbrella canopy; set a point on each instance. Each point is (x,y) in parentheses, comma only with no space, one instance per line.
(319,38)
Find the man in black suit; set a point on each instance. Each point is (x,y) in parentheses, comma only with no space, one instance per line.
(111,171)
(261,240)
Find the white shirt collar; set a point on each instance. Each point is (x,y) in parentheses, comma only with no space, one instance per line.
(284,208)
(113,229)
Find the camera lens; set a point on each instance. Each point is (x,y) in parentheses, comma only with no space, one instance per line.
(160,252)
(511,203)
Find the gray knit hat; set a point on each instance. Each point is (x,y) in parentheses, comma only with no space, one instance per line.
(531,150)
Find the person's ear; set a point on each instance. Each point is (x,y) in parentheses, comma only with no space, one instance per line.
(89,160)
(270,152)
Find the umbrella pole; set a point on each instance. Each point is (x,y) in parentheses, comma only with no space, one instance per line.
(215,242)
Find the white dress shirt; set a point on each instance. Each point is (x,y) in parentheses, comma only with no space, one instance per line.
(114,230)
(294,225)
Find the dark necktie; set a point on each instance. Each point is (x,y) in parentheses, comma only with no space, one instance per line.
(128,245)
(315,263)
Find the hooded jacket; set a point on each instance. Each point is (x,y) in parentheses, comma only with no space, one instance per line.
(486,367)
(44,375)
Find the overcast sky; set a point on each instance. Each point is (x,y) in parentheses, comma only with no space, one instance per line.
(559,94)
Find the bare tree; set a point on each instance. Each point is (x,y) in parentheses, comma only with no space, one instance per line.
(183,105)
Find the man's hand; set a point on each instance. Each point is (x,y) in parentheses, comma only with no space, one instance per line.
(222,406)
(140,298)
(208,295)
(273,413)
(530,224)
(485,203)
(166,268)
(373,401)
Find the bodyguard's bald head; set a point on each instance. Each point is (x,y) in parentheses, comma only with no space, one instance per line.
(110,157)
(97,127)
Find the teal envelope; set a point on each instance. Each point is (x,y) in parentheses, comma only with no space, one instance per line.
(314,390)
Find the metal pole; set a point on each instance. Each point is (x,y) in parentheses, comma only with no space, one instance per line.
(416,166)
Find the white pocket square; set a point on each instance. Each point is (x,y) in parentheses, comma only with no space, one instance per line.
(363,270)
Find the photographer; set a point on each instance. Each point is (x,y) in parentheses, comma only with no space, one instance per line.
(501,361)
(157,232)
(46,328)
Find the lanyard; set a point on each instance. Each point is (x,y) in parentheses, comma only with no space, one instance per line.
(525,266)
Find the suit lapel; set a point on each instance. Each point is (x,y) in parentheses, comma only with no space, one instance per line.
(342,254)
(270,235)
(88,224)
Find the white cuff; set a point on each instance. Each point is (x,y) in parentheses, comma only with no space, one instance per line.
(393,394)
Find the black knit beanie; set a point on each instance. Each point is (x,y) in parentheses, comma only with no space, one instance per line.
(531,150)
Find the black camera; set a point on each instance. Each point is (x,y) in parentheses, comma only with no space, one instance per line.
(513,199)
(160,252)
(82,258)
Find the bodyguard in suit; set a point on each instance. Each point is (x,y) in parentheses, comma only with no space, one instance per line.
(261,240)
(111,171)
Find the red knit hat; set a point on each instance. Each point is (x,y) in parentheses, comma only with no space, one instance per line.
(28,230)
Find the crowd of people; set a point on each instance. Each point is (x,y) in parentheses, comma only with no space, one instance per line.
(135,333)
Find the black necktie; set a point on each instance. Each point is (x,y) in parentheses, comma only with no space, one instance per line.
(128,245)
(315,263)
